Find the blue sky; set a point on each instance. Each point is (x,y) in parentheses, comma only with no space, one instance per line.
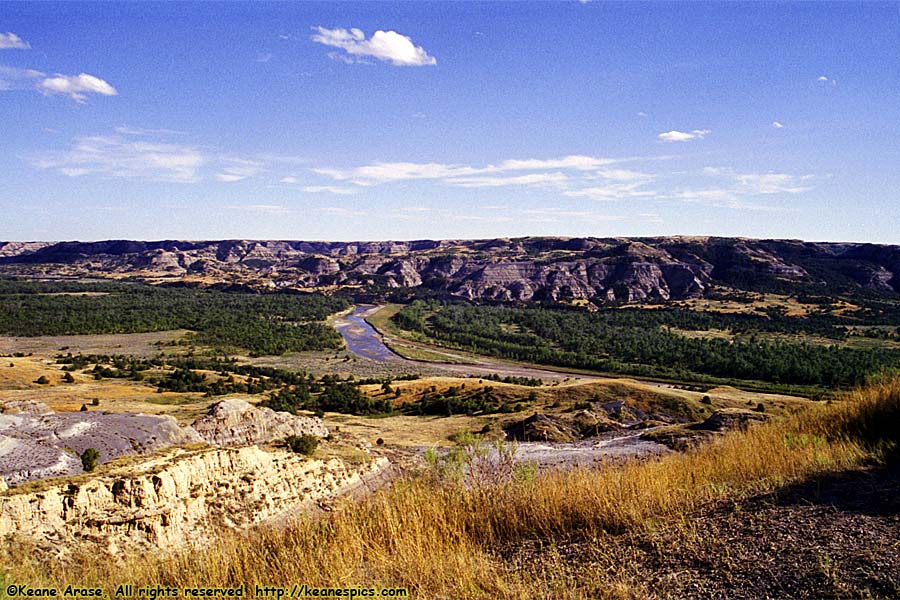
(347,121)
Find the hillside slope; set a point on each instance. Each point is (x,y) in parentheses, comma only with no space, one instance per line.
(524,269)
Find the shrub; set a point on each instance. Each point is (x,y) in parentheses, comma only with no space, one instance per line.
(302,444)
(83,408)
(68,378)
(89,459)
(42,380)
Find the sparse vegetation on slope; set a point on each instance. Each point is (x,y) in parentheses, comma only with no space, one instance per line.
(441,538)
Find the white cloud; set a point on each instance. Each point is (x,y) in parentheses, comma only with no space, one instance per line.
(118,156)
(532,179)
(384,172)
(624,175)
(772,183)
(270,209)
(575,161)
(822,78)
(125,130)
(777,125)
(388,46)
(761,183)
(399,171)
(237,169)
(725,198)
(683,136)
(342,211)
(289,180)
(76,86)
(10,41)
(613,191)
(741,191)
(330,189)
(575,176)
(12,78)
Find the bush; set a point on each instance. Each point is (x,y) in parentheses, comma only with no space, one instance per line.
(302,444)
(42,380)
(89,459)
(68,378)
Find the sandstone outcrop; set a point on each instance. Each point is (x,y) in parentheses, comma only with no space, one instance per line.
(235,422)
(177,497)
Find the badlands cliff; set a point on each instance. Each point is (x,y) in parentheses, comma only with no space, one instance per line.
(172,485)
(524,269)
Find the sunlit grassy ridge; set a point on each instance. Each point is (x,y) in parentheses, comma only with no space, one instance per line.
(443,539)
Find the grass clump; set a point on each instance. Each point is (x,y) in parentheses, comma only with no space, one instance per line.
(302,444)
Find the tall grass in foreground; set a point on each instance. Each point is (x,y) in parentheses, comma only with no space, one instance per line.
(440,539)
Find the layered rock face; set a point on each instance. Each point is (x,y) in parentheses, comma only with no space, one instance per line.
(235,422)
(177,498)
(168,496)
(40,443)
(546,269)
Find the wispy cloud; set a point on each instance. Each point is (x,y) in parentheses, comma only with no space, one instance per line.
(532,179)
(12,78)
(683,136)
(743,191)
(267,209)
(573,175)
(10,41)
(388,46)
(76,87)
(329,189)
(725,198)
(238,169)
(343,211)
(773,183)
(121,156)
(563,215)
(386,172)
(777,125)
(613,191)
(161,155)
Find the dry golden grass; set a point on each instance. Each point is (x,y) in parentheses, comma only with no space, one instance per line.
(441,540)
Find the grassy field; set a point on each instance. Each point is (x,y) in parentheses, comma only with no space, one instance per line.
(442,539)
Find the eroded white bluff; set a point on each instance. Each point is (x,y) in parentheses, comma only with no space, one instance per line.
(179,497)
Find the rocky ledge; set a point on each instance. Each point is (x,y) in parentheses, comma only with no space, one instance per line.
(178,497)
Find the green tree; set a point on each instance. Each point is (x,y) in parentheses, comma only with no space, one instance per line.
(302,444)
(89,459)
